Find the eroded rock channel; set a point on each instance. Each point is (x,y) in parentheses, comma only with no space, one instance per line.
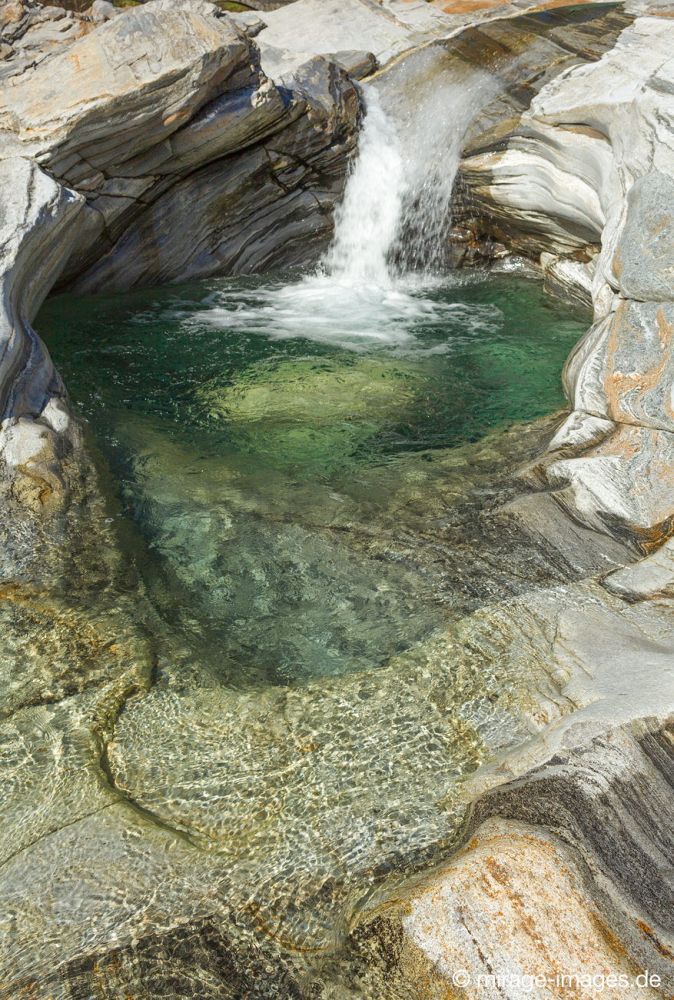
(336,654)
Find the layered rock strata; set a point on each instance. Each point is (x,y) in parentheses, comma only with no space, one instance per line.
(158,120)
(141,838)
(585,176)
(560,889)
(563,882)
(31,32)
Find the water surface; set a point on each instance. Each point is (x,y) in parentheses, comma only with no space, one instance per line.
(259,430)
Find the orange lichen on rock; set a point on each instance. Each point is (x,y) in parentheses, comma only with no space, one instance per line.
(514,903)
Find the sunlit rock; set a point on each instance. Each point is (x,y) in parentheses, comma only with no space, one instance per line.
(651,577)
(263,818)
(624,485)
(614,117)
(511,916)
(643,262)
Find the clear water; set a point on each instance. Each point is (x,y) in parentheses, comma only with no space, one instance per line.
(294,453)
(258,429)
(338,634)
(303,470)
(303,377)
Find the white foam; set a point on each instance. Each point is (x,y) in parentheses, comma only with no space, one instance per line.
(397,197)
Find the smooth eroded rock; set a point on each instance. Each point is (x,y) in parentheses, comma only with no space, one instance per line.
(510,917)
(643,262)
(160,64)
(624,485)
(624,368)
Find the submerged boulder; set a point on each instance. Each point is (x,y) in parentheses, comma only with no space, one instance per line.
(313,414)
(169,831)
(152,131)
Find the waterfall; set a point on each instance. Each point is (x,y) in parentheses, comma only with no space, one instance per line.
(391,227)
(368,219)
(396,211)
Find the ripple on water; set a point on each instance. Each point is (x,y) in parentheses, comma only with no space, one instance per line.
(303,468)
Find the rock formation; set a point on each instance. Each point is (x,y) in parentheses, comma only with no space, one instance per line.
(582,178)
(586,175)
(161,118)
(139,850)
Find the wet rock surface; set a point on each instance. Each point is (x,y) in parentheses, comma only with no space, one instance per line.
(161,830)
(157,110)
(262,818)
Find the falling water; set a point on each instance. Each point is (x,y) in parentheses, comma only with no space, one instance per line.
(432,134)
(396,211)
(368,219)
(374,285)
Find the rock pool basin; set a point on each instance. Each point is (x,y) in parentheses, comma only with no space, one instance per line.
(305,496)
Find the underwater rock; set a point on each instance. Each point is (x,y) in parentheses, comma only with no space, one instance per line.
(155,110)
(309,786)
(313,413)
(224,794)
(55,647)
(164,832)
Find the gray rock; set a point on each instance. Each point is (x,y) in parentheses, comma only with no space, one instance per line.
(580,430)
(270,206)
(623,486)
(103,10)
(624,369)
(31,32)
(330,26)
(570,280)
(643,261)
(182,56)
(581,551)
(248,21)
(357,63)
(38,226)
(590,160)
(534,186)
(125,151)
(650,577)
